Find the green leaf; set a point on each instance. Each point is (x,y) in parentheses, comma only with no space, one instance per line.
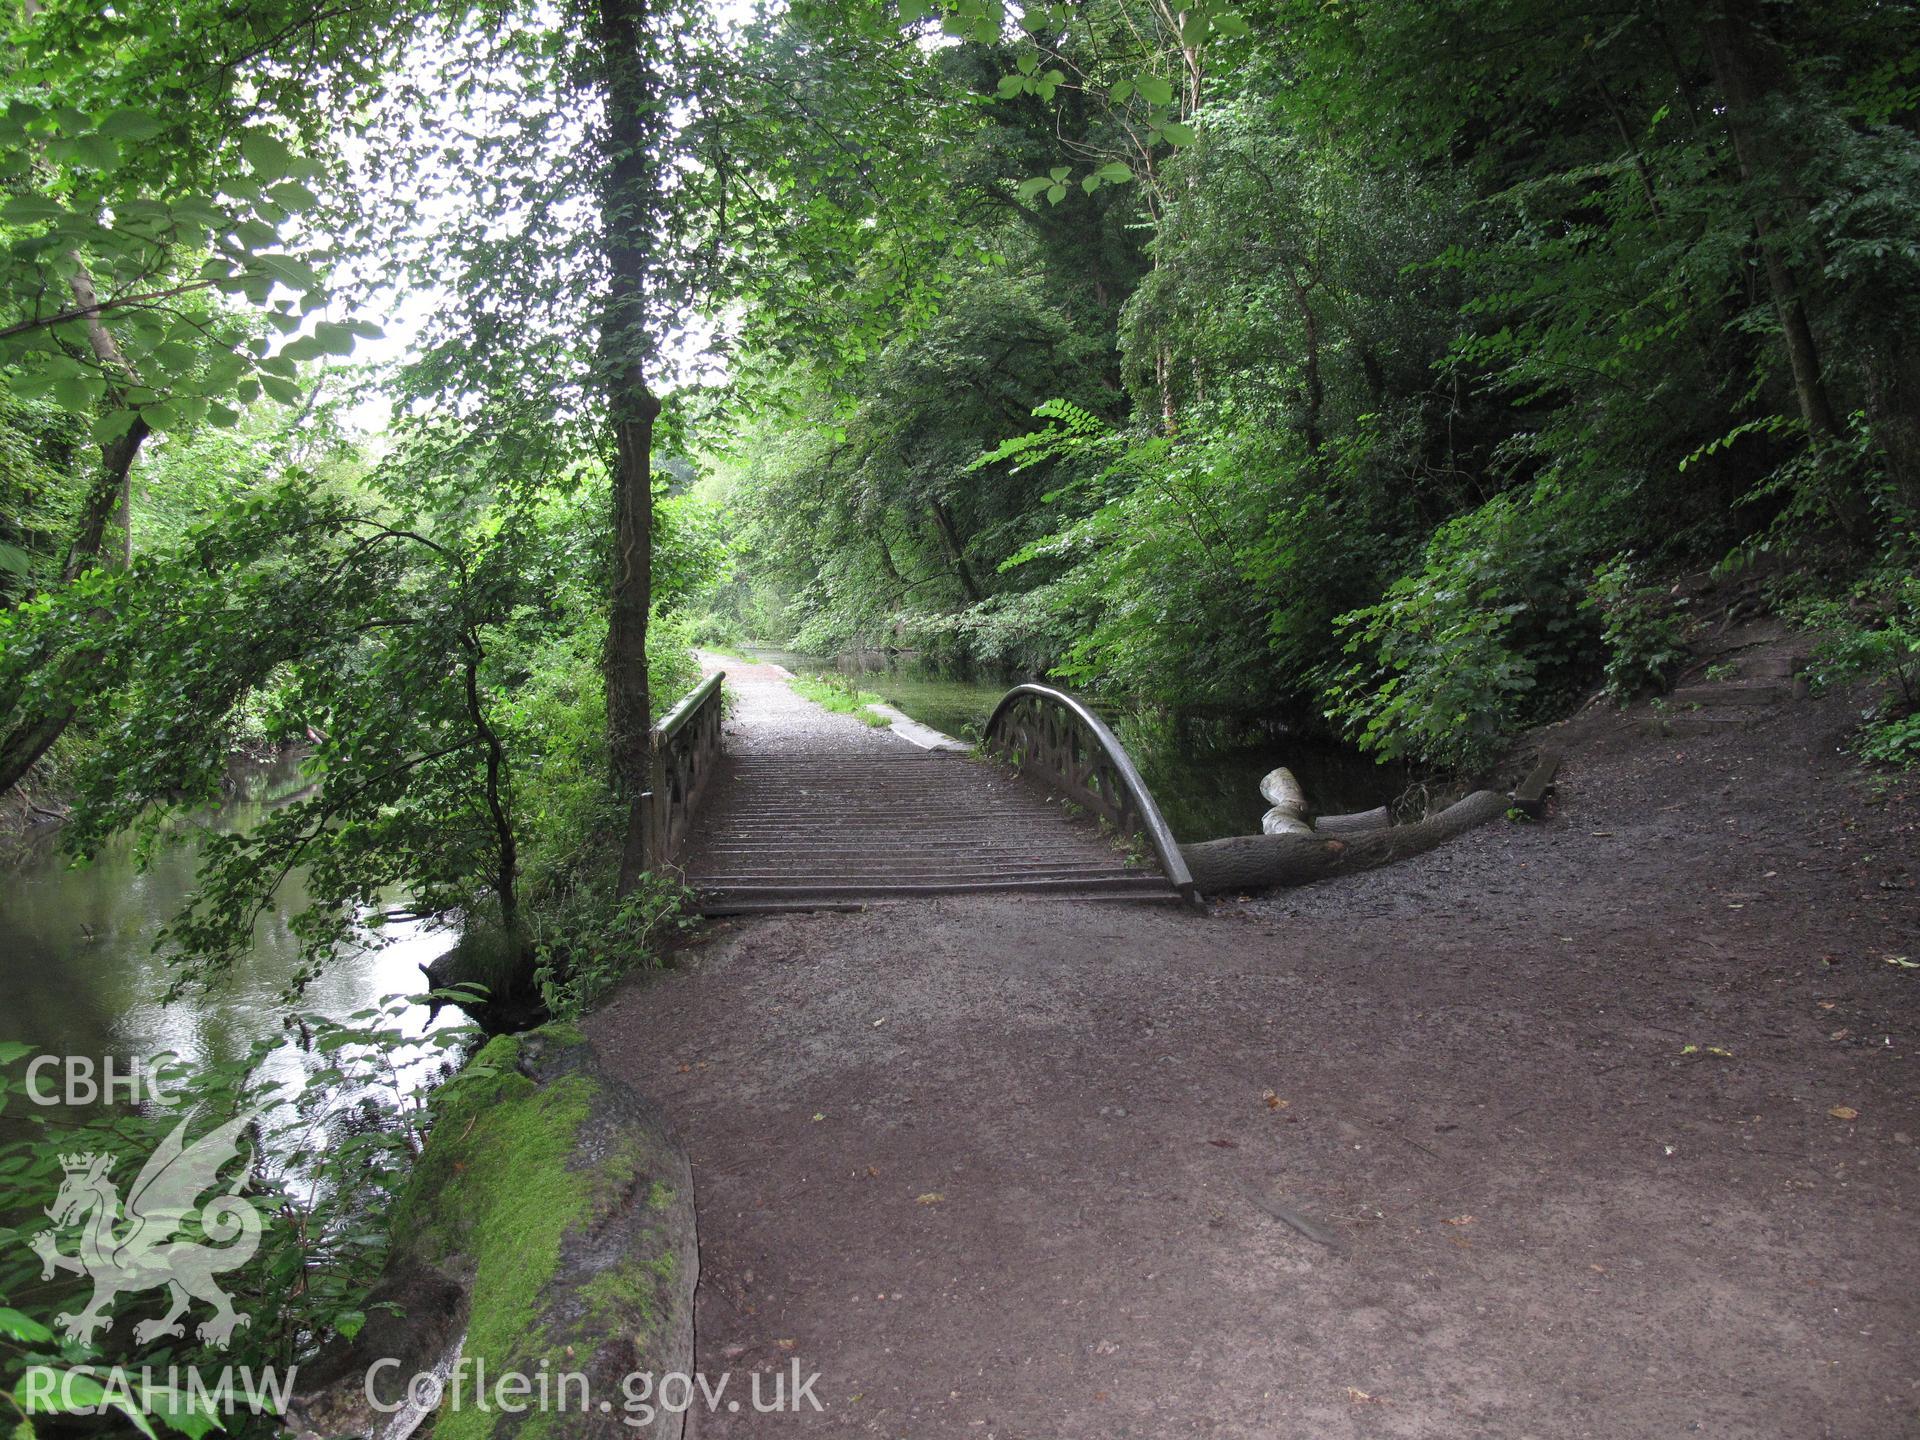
(1176,133)
(31,210)
(338,339)
(112,425)
(191,1415)
(1030,188)
(294,272)
(67,1392)
(292,195)
(1154,90)
(98,151)
(78,392)
(287,392)
(267,154)
(32,385)
(23,1327)
(134,125)
(1121,91)
(1056,193)
(196,210)
(12,1050)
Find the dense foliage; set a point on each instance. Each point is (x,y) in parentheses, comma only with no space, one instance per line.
(1338,413)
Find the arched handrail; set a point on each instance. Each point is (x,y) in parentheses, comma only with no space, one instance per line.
(686,750)
(1100,775)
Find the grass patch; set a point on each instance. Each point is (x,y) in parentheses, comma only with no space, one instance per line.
(841,695)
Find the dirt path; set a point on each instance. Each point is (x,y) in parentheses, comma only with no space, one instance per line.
(1006,1168)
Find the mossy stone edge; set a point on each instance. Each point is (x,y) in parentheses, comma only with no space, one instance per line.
(550,1219)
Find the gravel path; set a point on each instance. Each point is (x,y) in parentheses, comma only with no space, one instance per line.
(1007,1168)
(765,717)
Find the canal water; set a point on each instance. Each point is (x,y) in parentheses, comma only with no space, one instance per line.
(1204,774)
(80,975)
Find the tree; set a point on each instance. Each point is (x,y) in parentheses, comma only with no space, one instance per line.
(125,224)
(697,151)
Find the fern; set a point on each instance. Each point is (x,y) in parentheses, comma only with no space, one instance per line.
(1077,432)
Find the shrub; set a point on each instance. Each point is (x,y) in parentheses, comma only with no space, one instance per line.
(1642,627)
(1874,635)
(587,942)
(1456,658)
(329,1158)
(839,694)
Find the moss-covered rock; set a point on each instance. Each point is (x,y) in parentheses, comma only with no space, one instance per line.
(546,1233)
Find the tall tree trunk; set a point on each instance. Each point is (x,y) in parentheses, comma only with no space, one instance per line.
(30,736)
(1893,403)
(123,520)
(1625,132)
(1747,76)
(105,497)
(630,202)
(629,703)
(956,552)
(506,848)
(1315,387)
(26,742)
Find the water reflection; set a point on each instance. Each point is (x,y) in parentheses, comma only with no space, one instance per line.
(80,975)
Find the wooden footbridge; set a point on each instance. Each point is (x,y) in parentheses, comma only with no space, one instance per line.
(767,802)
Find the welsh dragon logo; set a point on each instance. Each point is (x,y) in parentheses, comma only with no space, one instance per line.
(139,1250)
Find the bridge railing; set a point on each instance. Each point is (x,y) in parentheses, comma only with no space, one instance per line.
(686,751)
(1058,740)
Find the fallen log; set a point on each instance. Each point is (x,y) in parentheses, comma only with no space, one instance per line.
(1259,862)
(1357,823)
(1283,822)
